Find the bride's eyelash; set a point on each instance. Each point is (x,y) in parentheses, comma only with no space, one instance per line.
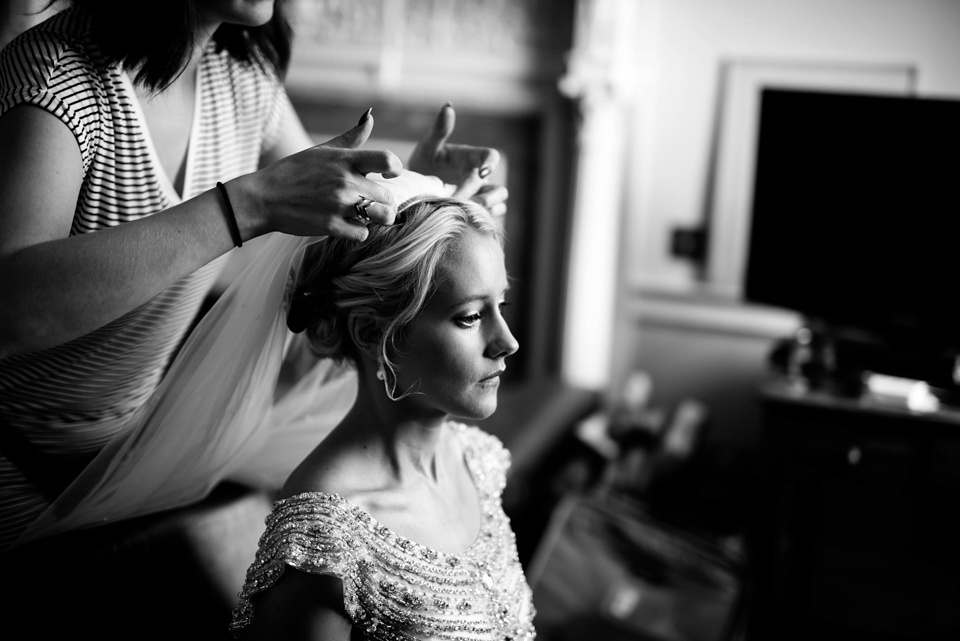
(472,319)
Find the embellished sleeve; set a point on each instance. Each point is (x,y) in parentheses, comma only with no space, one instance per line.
(491,455)
(311,533)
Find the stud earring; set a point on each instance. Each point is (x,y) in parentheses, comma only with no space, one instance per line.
(382,376)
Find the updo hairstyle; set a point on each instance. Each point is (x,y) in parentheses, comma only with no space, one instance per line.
(370,291)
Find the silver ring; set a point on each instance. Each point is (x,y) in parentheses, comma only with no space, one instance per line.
(361,207)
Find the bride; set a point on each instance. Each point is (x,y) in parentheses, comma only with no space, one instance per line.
(392,527)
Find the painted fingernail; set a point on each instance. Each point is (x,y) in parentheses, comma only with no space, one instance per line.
(365,116)
(448,104)
(485,171)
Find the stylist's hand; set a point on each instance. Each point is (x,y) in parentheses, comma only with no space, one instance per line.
(315,192)
(493,197)
(464,166)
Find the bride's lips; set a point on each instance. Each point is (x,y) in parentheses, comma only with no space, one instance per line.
(492,377)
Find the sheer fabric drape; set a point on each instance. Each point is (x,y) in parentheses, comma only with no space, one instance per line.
(213,417)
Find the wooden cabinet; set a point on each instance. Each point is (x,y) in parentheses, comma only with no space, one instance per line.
(857,530)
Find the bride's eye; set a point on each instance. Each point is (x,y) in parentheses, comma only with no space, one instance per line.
(469,320)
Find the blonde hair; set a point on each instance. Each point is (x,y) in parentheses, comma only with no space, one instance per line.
(372,290)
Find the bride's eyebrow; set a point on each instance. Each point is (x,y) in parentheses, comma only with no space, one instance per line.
(476,297)
(467,299)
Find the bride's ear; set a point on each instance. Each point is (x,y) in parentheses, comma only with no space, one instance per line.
(365,336)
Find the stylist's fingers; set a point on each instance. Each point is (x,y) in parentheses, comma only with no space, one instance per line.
(362,200)
(441,130)
(375,161)
(493,197)
(482,160)
(371,202)
(476,164)
(351,229)
(355,137)
(339,188)
(325,190)
(366,161)
(489,160)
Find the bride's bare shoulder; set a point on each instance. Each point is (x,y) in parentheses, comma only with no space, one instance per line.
(338,466)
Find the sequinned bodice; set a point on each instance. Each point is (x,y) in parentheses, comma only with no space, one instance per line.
(395,588)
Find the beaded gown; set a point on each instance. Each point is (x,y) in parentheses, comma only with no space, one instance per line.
(394,588)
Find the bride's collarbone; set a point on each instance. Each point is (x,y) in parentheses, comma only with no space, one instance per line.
(441,521)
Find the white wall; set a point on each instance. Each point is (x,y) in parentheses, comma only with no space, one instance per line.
(678,99)
(669,320)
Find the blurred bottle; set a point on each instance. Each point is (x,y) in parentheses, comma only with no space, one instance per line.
(631,419)
(811,360)
(682,435)
(635,427)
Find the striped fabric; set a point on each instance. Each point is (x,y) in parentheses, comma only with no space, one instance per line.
(68,401)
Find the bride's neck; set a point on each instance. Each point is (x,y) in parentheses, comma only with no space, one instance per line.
(409,439)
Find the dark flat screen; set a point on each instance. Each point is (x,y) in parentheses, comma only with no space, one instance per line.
(856,212)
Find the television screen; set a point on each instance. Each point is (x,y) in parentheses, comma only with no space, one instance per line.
(856,213)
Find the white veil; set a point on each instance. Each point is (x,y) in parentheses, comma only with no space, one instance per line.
(213,417)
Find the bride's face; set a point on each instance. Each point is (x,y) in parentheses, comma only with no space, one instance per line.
(454,353)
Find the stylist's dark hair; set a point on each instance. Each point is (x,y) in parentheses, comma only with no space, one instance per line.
(155,36)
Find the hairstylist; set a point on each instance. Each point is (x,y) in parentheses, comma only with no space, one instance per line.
(141,143)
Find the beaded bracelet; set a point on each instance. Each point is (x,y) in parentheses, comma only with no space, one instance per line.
(231,217)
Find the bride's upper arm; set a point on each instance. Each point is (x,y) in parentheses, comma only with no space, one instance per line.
(302,607)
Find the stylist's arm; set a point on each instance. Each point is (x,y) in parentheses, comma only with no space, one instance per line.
(57,286)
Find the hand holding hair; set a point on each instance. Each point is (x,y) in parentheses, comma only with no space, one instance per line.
(493,197)
(316,191)
(464,166)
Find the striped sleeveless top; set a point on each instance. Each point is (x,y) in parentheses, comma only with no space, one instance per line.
(63,404)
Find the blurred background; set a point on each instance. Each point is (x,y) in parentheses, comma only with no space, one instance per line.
(769,492)
(629,132)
